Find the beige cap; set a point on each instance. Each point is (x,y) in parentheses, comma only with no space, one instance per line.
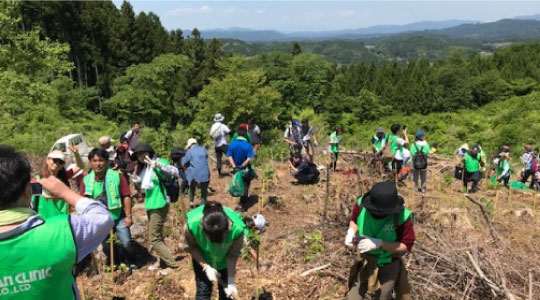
(57,154)
(191,142)
(105,139)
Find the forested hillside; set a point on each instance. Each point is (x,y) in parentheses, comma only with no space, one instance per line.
(90,67)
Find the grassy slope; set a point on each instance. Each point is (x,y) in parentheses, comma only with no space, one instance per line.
(515,121)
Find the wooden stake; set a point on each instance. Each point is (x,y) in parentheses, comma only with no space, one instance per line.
(530,285)
(327,191)
(111,244)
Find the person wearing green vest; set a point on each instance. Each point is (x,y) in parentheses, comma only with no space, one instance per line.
(109,187)
(378,141)
(472,161)
(396,144)
(334,146)
(43,252)
(504,169)
(156,200)
(248,135)
(214,236)
(54,165)
(419,167)
(382,230)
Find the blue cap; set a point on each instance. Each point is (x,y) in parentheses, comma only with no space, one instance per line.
(419,134)
(295,122)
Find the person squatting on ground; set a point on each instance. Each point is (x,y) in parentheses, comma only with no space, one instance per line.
(419,153)
(472,162)
(214,236)
(303,170)
(196,161)
(309,140)
(54,165)
(156,200)
(397,144)
(109,187)
(381,229)
(240,154)
(218,133)
(30,244)
(334,146)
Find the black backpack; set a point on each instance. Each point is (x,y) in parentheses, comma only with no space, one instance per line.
(419,159)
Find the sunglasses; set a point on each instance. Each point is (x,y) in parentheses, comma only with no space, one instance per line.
(58,161)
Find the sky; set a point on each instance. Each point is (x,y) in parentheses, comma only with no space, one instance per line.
(290,16)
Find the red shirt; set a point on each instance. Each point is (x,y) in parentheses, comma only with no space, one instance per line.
(405,231)
(124,186)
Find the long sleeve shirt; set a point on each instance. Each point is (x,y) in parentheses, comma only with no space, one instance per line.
(197,161)
(90,227)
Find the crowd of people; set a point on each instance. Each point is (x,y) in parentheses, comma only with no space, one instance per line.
(35,214)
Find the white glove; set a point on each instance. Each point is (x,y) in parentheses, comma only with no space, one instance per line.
(316,144)
(350,237)
(135,179)
(369,244)
(211,273)
(231,291)
(153,163)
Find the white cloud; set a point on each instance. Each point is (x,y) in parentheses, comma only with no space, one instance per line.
(185,11)
(347,12)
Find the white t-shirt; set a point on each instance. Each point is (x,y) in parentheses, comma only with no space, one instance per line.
(220,130)
(406,156)
(399,154)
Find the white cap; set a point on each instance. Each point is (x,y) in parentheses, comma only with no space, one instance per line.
(259,221)
(57,154)
(105,139)
(191,142)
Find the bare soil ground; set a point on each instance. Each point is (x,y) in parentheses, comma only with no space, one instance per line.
(456,256)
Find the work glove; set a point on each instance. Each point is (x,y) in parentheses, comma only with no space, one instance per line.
(136,179)
(349,238)
(153,163)
(369,244)
(231,291)
(211,273)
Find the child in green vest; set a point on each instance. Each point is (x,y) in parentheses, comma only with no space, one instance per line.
(382,230)
(214,236)
(504,169)
(334,146)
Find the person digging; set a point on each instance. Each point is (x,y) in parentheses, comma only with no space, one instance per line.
(381,228)
(214,236)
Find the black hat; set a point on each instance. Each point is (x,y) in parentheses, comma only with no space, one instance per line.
(142,147)
(177,153)
(383,199)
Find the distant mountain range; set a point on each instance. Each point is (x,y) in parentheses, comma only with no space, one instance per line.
(250,35)
(522,28)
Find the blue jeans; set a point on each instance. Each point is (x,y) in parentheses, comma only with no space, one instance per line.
(124,236)
(204,286)
(185,183)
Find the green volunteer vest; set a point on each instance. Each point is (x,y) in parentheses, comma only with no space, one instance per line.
(93,189)
(38,264)
(394,147)
(472,164)
(156,197)
(381,229)
(379,142)
(214,254)
(502,165)
(415,148)
(47,208)
(335,146)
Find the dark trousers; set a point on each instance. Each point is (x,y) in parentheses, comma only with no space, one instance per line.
(219,152)
(247,182)
(397,165)
(204,190)
(204,286)
(335,156)
(474,177)
(526,175)
(185,183)
(505,180)
(124,253)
